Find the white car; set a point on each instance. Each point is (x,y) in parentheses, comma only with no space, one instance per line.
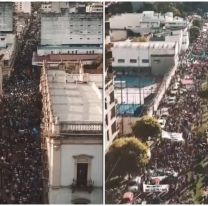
(173,91)
(133,184)
(162,123)
(171,100)
(164,112)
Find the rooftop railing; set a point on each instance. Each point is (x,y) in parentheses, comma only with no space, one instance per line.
(81,127)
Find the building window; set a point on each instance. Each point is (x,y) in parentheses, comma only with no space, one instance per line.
(112,99)
(82,173)
(108,136)
(81,201)
(106,119)
(145,60)
(157,61)
(121,60)
(113,112)
(133,61)
(113,127)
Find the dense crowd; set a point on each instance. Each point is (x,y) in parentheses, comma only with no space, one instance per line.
(20,151)
(184,115)
(183,158)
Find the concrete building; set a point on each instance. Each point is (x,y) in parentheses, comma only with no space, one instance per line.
(7,40)
(71,34)
(95,8)
(6,16)
(176,23)
(143,23)
(7,55)
(23,7)
(57,7)
(154,57)
(71,29)
(70,37)
(111,130)
(1,80)
(72,138)
(46,7)
(179,36)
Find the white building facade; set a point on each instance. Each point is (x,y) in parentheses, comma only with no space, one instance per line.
(111,130)
(72,138)
(6,16)
(144,23)
(66,32)
(23,7)
(94,8)
(145,55)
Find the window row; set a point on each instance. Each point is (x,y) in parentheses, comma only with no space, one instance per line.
(85,38)
(75,52)
(133,60)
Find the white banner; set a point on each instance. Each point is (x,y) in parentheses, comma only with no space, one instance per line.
(155,188)
(173,136)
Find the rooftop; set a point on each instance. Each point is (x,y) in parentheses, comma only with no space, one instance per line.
(156,45)
(65,57)
(74,102)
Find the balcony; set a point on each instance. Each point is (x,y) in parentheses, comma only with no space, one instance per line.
(81,127)
(88,187)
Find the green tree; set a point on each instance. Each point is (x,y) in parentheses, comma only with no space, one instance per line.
(194,33)
(126,156)
(203,93)
(197,23)
(146,127)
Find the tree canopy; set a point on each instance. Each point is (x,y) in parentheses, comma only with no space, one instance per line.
(194,33)
(197,23)
(203,93)
(146,127)
(126,156)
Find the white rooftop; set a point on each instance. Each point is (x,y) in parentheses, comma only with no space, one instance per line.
(71,101)
(156,44)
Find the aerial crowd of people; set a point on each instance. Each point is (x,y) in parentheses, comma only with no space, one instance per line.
(20,150)
(183,160)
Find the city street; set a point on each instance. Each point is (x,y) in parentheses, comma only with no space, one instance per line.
(180,165)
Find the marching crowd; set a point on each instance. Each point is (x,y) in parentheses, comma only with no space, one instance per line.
(20,150)
(182,158)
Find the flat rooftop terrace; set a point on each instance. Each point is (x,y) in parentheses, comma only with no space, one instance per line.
(74,101)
